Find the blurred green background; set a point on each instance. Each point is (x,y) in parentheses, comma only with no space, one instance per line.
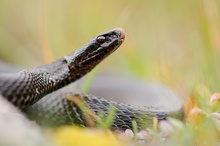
(169,41)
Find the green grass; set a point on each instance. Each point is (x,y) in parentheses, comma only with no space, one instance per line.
(107,121)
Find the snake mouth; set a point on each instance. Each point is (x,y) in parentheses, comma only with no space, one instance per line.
(122,33)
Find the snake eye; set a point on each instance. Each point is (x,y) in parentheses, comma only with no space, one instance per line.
(101,39)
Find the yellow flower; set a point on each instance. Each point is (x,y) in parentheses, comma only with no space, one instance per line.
(70,135)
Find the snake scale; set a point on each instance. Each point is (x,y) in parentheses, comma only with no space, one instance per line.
(39,91)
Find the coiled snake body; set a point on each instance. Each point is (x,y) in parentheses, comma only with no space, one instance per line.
(25,88)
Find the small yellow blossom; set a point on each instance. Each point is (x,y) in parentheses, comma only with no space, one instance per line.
(70,135)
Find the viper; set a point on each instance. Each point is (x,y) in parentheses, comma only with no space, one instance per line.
(43,95)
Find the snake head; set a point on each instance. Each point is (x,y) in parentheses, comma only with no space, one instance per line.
(87,57)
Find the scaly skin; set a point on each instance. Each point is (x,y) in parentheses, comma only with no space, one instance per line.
(57,109)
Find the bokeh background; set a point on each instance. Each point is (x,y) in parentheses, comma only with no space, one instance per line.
(173,42)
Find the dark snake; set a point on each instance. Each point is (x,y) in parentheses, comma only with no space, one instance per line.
(39,91)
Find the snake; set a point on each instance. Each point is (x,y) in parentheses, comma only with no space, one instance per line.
(45,94)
